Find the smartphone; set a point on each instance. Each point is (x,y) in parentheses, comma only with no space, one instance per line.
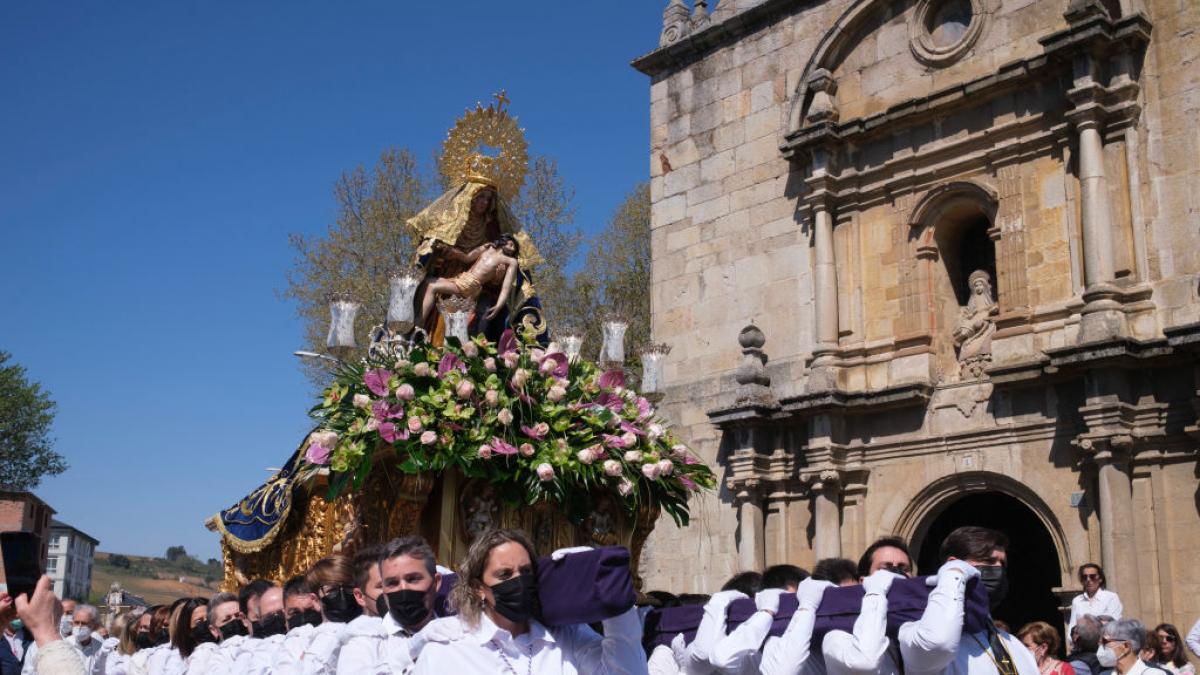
(22,561)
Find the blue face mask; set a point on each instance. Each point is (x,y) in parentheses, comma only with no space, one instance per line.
(16,625)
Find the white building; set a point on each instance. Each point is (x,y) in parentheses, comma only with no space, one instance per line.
(69,564)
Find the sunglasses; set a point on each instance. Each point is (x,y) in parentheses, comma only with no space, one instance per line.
(1165,638)
(1089,577)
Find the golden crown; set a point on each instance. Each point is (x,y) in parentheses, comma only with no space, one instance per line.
(464,155)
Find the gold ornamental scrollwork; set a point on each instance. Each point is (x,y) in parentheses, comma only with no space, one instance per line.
(486,144)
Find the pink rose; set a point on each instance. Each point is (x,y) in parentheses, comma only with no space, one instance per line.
(679,451)
(666,467)
(633,456)
(585,456)
(373,424)
(429,438)
(328,439)
(650,471)
(625,487)
(361,400)
(405,392)
(519,378)
(317,454)
(654,432)
(612,467)
(422,369)
(545,471)
(489,364)
(629,438)
(414,424)
(555,394)
(465,389)
(401,364)
(526,450)
(504,417)
(511,360)
(491,397)
(470,349)
(485,451)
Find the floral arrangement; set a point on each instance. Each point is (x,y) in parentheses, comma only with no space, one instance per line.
(532,423)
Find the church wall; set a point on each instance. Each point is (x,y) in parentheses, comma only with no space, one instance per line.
(733,243)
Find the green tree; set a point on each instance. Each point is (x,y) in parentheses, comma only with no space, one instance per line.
(547,214)
(616,277)
(366,244)
(176,553)
(26,414)
(118,560)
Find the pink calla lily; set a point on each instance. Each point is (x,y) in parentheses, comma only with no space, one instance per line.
(377,381)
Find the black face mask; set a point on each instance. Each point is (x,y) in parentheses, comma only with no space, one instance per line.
(274,623)
(233,628)
(162,637)
(516,598)
(407,607)
(201,633)
(995,580)
(311,617)
(340,605)
(143,641)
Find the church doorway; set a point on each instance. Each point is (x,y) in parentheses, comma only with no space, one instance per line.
(1033,568)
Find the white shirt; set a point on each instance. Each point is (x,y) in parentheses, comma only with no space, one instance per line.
(362,652)
(15,645)
(567,650)
(791,654)
(864,652)
(116,664)
(165,661)
(710,631)
(87,653)
(1104,602)
(1193,639)
(740,652)
(319,652)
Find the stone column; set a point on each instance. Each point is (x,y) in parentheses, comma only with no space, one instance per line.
(826,300)
(1102,316)
(828,516)
(1118,552)
(752,546)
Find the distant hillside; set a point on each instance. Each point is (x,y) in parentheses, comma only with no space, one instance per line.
(157,580)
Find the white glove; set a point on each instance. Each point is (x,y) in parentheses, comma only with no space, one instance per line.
(767,600)
(443,570)
(880,582)
(723,598)
(810,591)
(679,648)
(954,568)
(564,552)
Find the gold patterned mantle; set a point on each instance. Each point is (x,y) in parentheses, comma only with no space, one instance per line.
(447,510)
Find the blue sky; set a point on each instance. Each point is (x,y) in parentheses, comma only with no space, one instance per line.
(155,156)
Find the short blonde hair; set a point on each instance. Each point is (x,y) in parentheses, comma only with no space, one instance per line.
(463,597)
(1041,633)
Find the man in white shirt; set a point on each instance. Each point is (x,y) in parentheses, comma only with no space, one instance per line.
(365,634)
(84,620)
(409,581)
(936,643)
(1095,599)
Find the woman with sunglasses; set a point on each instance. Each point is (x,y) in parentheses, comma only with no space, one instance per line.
(1095,599)
(1171,656)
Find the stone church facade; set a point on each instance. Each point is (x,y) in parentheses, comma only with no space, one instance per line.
(932,262)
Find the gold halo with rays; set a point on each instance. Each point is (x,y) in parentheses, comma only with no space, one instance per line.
(485,145)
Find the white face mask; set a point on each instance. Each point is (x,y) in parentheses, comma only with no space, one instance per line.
(1107,657)
(81,633)
(64,626)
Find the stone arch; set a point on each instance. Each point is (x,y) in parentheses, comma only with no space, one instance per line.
(936,202)
(914,521)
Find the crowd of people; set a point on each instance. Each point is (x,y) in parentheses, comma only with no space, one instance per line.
(387,610)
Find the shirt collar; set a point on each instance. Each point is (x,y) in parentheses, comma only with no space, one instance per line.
(488,631)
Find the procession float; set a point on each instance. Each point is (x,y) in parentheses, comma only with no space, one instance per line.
(468,410)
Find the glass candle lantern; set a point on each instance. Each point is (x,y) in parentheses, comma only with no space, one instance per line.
(652,367)
(340,340)
(456,312)
(571,341)
(403,288)
(612,352)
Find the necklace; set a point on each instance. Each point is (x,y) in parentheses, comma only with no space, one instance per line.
(508,664)
(1003,661)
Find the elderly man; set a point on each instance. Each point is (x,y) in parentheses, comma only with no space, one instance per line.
(85,619)
(1120,647)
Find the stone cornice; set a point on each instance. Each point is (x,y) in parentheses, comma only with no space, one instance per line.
(700,44)
(844,401)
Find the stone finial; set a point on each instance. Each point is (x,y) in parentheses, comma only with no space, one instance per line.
(823,107)
(676,23)
(700,17)
(754,386)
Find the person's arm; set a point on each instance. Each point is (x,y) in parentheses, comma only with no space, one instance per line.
(1193,639)
(321,655)
(618,652)
(930,643)
(501,300)
(736,651)
(860,652)
(710,631)
(789,654)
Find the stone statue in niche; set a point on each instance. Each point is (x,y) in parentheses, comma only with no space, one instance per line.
(973,335)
